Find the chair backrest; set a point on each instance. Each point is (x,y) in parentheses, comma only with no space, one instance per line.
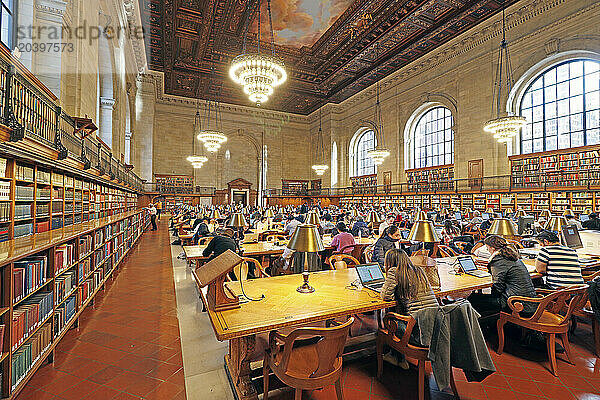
(342,261)
(273,237)
(515,243)
(570,298)
(368,253)
(591,277)
(329,347)
(203,241)
(446,251)
(477,245)
(241,270)
(348,247)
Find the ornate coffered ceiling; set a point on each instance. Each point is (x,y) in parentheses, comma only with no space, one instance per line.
(187,39)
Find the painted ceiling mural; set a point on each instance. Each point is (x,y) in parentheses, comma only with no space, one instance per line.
(331,49)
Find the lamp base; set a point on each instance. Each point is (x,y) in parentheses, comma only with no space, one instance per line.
(305,288)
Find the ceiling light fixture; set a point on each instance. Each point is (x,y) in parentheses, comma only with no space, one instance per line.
(320,167)
(380,152)
(258,73)
(197,160)
(505,127)
(212,135)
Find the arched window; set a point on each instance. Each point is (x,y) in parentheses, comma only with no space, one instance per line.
(334,164)
(562,107)
(433,138)
(363,163)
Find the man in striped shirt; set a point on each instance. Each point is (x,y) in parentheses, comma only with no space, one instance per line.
(559,263)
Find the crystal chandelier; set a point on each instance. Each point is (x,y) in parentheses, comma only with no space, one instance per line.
(197,160)
(380,152)
(258,73)
(212,137)
(320,167)
(505,127)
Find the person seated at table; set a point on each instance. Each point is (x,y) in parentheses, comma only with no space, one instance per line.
(449,232)
(361,228)
(573,221)
(291,225)
(558,263)
(407,284)
(201,230)
(342,239)
(487,224)
(389,240)
(326,223)
(592,223)
(476,220)
(389,220)
(481,251)
(261,224)
(222,242)
(510,277)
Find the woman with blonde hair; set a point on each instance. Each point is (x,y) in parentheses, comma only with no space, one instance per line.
(407,284)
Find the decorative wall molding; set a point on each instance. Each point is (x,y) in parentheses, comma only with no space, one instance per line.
(107,103)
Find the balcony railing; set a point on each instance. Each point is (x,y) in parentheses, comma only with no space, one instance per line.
(29,110)
(153,187)
(505,183)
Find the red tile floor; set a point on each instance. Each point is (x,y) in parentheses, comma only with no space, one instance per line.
(127,346)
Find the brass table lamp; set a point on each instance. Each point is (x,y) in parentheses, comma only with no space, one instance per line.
(502,227)
(421,216)
(546,214)
(269,215)
(373,218)
(215,214)
(313,218)
(306,239)
(424,231)
(555,223)
(568,213)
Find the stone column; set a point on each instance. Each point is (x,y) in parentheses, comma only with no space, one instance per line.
(127,151)
(142,150)
(106,119)
(46,62)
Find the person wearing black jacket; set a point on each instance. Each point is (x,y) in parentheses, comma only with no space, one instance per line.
(202,230)
(220,244)
(387,241)
(510,277)
(592,223)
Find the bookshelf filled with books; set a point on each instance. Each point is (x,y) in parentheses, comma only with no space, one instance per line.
(531,202)
(431,178)
(35,199)
(47,285)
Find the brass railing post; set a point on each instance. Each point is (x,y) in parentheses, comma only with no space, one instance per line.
(17,130)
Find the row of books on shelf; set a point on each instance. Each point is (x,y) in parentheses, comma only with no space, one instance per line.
(4,190)
(24,193)
(64,313)
(29,315)
(23,173)
(28,276)
(64,257)
(87,287)
(30,353)
(21,230)
(64,285)
(4,212)
(22,211)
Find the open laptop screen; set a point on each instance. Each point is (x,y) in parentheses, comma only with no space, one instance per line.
(467,263)
(369,272)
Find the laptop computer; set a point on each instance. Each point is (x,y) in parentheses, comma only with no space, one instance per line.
(467,264)
(370,276)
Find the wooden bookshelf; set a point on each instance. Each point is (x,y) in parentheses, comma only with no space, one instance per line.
(364,183)
(560,168)
(294,187)
(76,261)
(35,199)
(431,178)
(180,184)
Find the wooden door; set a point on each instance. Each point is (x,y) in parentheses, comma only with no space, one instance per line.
(387,181)
(476,173)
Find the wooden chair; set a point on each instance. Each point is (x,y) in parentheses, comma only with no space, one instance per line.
(515,243)
(446,251)
(203,241)
(474,231)
(386,336)
(368,253)
(274,237)
(310,366)
(586,313)
(546,318)
(342,261)
(242,269)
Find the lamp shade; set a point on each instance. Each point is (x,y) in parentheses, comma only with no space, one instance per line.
(306,238)
(237,220)
(421,216)
(373,218)
(587,211)
(556,223)
(568,213)
(546,214)
(424,231)
(354,213)
(215,214)
(502,227)
(269,213)
(490,210)
(313,218)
